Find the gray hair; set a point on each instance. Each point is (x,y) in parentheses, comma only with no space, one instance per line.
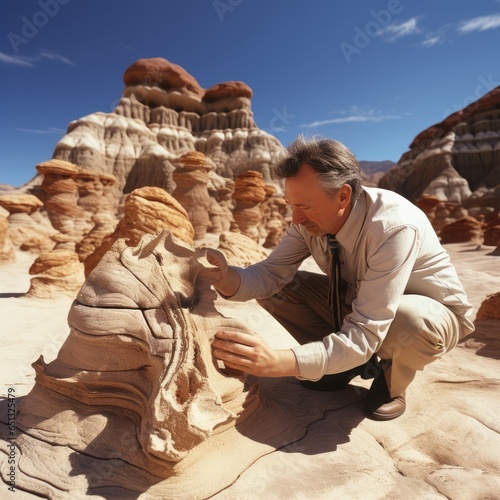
(335,164)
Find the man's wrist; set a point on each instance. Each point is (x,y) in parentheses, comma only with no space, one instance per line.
(287,365)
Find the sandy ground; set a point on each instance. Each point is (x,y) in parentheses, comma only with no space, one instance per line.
(445,446)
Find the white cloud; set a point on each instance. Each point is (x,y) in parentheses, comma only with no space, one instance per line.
(16,60)
(50,130)
(353,116)
(395,31)
(29,61)
(55,57)
(481,23)
(430,41)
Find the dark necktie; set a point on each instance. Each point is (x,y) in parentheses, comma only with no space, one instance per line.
(334,288)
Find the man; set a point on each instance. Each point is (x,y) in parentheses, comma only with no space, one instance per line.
(399,294)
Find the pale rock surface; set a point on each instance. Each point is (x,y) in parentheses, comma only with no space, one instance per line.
(20,203)
(61,197)
(221,192)
(29,229)
(147,210)
(7,251)
(134,401)
(240,250)
(454,157)
(55,273)
(163,114)
(191,178)
(444,446)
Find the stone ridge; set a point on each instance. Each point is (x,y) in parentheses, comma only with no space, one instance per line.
(163,114)
(453,158)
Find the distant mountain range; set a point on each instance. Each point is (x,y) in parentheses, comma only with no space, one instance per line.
(371,167)
(373,171)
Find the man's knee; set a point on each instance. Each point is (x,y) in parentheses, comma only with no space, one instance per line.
(422,326)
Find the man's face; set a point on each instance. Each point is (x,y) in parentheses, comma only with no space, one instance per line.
(311,206)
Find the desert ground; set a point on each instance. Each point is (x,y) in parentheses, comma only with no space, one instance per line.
(446,445)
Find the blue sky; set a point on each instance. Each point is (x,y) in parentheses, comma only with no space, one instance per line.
(369,73)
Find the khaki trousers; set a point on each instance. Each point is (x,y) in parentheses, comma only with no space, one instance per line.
(422,330)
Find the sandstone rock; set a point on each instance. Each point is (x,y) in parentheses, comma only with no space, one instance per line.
(463,230)
(104,226)
(492,234)
(61,197)
(249,193)
(56,273)
(20,203)
(134,402)
(275,231)
(7,253)
(240,250)
(465,145)
(28,228)
(221,192)
(490,308)
(191,178)
(147,210)
(163,114)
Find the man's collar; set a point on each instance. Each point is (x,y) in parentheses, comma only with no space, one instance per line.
(349,232)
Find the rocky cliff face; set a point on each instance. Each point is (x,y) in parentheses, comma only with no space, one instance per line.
(452,158)
(163,114)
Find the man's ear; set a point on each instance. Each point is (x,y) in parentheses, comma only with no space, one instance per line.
(345,194)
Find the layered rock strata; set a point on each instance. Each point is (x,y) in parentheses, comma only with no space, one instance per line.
(191,178)
(147,210)
(454,157)
(29,230)
(135,403)
(56,273)
(249,193)
(164,113)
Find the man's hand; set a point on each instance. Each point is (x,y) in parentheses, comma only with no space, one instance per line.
(230,282)
(252,354)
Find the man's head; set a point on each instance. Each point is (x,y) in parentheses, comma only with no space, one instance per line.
(322,180)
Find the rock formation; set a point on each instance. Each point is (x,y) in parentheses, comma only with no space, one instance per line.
(61,196)
(462,230)
(240,250)
(454,157)
(56,273)
(134,401)
(7,253)
(29,230)
(249,193)
(276,217)
(147,210)
(163,114)
(489,308)
(191,178)
(221,205)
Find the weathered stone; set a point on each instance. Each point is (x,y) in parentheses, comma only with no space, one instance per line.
(191,178)
(20,203)
(466,229)
(56,273)
(453,157)
(489,308)
(240,250)
(147,210)
(249,193)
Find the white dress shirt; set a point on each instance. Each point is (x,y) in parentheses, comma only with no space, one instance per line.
(387,248)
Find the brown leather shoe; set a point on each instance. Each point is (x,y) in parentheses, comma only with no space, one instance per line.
(379,405)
